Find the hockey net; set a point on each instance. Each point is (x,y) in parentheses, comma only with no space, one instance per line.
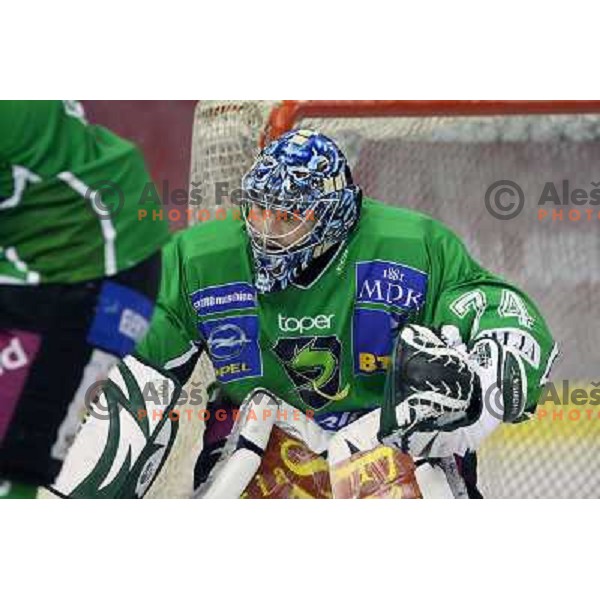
(441,158)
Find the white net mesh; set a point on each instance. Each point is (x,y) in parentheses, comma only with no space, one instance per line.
(443,166)
(176,479)
(225,143)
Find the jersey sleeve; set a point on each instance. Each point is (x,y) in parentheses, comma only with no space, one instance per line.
(172,341)
(480,304)
(20,127)
(36,133)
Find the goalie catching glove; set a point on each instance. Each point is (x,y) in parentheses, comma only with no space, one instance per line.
(443,398)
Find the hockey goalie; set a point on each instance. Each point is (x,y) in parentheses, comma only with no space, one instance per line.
(359,350)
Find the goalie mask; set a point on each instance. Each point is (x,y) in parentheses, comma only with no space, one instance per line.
(299,201)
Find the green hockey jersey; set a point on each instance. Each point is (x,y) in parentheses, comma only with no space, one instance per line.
(326,347)
(56,173)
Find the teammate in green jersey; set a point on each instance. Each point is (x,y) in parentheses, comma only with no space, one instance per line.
(304,298)
(78,276)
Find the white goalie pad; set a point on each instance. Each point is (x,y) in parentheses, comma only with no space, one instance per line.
(130,428)
(436,479)
(243,450)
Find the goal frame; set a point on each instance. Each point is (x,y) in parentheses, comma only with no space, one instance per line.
(284,115)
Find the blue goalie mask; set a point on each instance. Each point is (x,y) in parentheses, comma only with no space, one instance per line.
(299,201)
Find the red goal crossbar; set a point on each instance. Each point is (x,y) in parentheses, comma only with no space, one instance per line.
(285,115)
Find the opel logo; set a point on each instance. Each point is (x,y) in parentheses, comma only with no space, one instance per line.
(227,342)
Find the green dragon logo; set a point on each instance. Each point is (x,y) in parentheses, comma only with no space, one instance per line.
(313,363)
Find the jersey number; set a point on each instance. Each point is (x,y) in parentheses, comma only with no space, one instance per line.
(511,305)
